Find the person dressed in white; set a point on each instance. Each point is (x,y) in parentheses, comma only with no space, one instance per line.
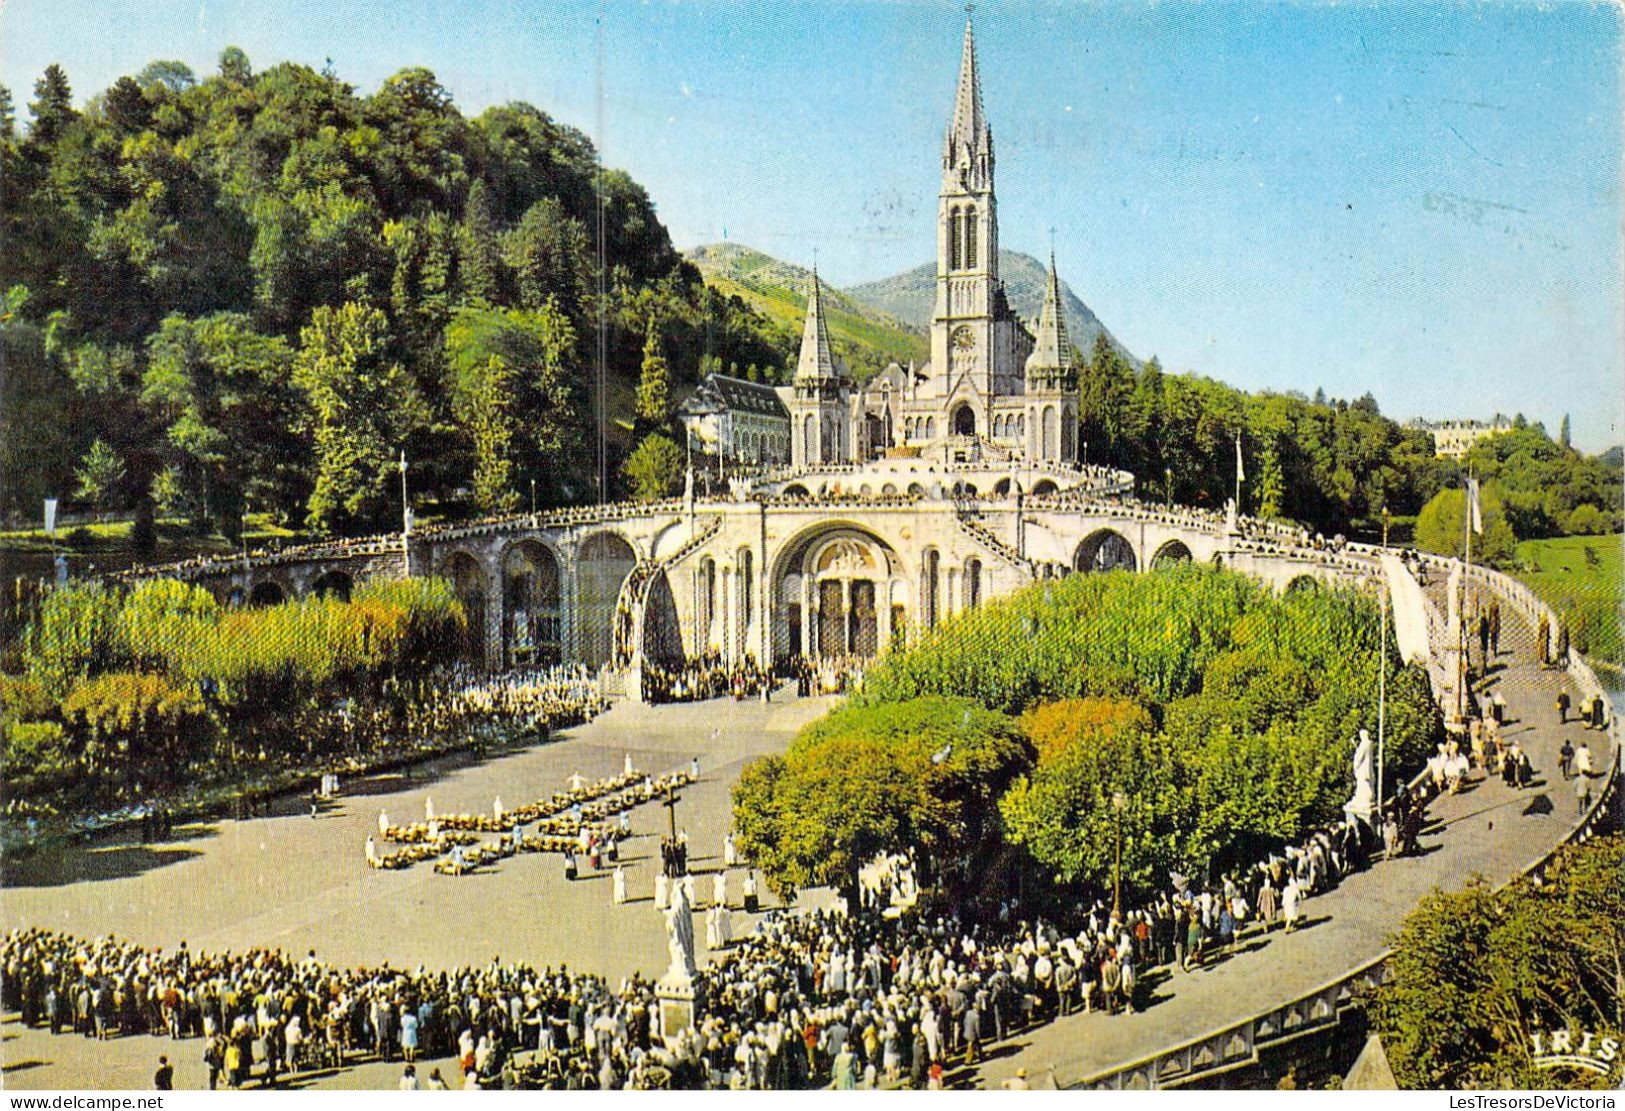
(662,891)
(577,781)
(496,808)
(725,926)
(626,765)
(428,808)
(383,824)
(1582,760)
(713,939)
(1289,903)
(372,851)
(719,889)
(619,884)
(730,852)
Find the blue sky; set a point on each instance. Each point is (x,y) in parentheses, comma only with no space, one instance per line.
(1422,201)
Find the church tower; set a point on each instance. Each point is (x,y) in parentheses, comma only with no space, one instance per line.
(820,416)
(976,342)
(1052,383)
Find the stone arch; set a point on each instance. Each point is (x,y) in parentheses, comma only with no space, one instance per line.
(1105,549)
(745,583)
(973,583)
(705,604)
(532,605)
(1044,486)
(830,586)
(796,490)
(1002,488)
(1051,433)
(930,428)
(333,584)
(267,592)
(962,419)
(930,588)
(1303,582)
(602,563)
(1172,552)
(662,629)
(467,580)
(889,490)
(809,440)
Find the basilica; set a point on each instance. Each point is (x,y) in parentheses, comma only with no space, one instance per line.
(997,390)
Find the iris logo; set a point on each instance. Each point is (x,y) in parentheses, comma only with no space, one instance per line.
(1560,1049)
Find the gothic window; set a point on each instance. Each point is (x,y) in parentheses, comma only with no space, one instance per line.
(953,239)
(973,584)
(970,238)
(1052,430)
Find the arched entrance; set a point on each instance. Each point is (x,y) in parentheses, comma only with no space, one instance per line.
(532,629)
(1044,486)
(267,593)
(1170,554)
(963,420)
(1105,550)
(1302,583)
(662,630)
(834,592)
(334,584)
(468,583)
(602,564)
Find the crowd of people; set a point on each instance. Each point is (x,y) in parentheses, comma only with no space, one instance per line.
(698,678)
(807,999)
(828,674)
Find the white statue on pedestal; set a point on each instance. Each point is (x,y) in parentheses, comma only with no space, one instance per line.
(680,935)
(1365,765)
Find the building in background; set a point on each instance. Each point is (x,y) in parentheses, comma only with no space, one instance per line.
(1452,438)
(738,422)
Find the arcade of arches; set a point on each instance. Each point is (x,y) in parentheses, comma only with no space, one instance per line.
(1105,550)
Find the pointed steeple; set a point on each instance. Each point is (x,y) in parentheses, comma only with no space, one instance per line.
(817,360)
(1052,351)
(968,134)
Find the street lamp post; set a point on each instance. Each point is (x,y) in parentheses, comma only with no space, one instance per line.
(1118,804)
(1168,486)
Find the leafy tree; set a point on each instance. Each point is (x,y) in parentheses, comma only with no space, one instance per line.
(225,397)
(364,409)
(655,469)
(1475,974)
(533,416)
(1440,527)
(866,780)
(99,475)
(1563,433)
(479,248)
(52,106)
(492,427)
(652,409)
(550,256)
(234,66)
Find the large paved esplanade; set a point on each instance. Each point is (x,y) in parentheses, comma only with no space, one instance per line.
(839,560)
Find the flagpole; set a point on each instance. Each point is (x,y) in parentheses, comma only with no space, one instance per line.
(406,522)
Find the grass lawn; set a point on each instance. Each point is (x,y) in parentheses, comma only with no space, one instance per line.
(1583,578)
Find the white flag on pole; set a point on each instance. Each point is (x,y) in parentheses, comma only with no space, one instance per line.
(50,516)
(1241,472)
(1474,509)
(403,460)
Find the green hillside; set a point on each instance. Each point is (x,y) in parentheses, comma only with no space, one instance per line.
(865,337)
(1580,577)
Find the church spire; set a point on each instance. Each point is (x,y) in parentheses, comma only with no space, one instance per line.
(1052,351)
(968,133)
(817,360)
